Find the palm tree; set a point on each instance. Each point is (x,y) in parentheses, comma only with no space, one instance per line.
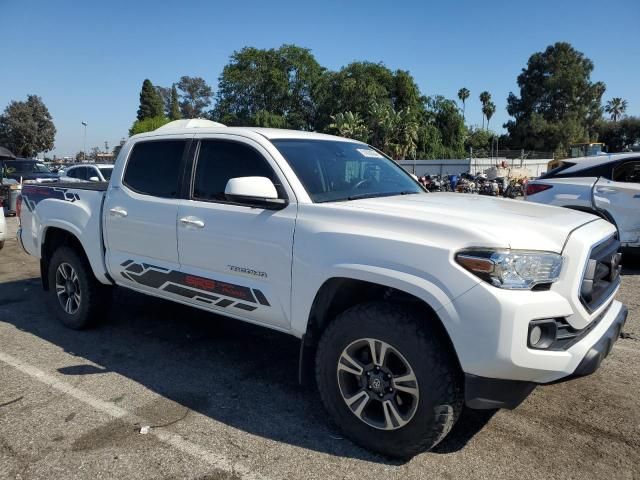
(488,110)
(463,94)
(616,108)
(485,97)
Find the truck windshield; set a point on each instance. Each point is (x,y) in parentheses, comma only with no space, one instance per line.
(333,170)
(16,167)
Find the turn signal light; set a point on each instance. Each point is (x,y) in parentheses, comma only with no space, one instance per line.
(533,188)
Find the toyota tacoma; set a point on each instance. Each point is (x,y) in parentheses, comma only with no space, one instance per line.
(408,305)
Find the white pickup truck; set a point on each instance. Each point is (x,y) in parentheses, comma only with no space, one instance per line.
(407,304)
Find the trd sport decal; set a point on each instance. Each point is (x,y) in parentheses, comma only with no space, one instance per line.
(194,287)
(32,195)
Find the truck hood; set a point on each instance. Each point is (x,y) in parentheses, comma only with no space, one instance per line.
(516,224)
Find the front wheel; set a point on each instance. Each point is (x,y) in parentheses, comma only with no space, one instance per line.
(388,378)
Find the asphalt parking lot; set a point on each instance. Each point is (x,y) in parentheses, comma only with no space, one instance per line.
(222,401)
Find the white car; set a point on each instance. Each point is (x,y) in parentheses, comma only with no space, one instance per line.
(407,305)
(90,172)
(607,186)
(3,227)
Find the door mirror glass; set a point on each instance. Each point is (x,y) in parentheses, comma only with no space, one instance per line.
(94,179)
(254,191)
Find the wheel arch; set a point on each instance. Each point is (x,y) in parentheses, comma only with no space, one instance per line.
(54,237)
(337,294)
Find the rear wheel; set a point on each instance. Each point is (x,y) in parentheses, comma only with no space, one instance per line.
(388,379)
(1,244)
(79,300)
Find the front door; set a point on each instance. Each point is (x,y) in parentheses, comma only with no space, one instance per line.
(236,259)
(621,198)
(140,214)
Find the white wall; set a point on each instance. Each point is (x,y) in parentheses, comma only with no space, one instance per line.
(476,165)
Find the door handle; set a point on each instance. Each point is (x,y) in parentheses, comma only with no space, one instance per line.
(192,222)
(118,212)
(605,190)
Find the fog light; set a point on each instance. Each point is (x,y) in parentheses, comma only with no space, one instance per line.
(535,335)
(542,333)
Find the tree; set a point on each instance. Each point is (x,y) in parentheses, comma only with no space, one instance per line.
(463,94)
(165,95)
(283,82)
(26,128)
(81,156)
(195,96)
(174,106)
(150,102)
(349,125)
(357,86)
(479,140)
(485,97)
(616,108)
(619,136)
(558,103)
(148,124)
(488,110)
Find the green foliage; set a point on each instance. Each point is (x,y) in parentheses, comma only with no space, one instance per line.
(150,102)
(148,124)
(26,128)
(262,118)
(616,108)
(558,104)
(165,95)
(463,94)
(283,82)
(195,96)
(479,139)
(174,106)
(349,125)
(618,136)
(488,109)
(359,85)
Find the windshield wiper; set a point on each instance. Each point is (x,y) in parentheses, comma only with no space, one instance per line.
(379,194)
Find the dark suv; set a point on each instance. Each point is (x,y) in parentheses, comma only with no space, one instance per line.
(27,169)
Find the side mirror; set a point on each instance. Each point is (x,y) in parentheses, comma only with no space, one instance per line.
(94,179)
(259,192)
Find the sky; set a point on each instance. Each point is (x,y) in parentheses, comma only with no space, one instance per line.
(87,60)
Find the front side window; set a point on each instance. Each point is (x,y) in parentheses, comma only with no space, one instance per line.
(221,160)
(628,172)
(333,170)
(154,168)
(106,172)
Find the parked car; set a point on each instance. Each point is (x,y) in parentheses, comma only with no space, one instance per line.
(3,227)
(27,169)
(607,186)
(93,172)
(407,305)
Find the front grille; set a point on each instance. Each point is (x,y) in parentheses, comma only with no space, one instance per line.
(602,274)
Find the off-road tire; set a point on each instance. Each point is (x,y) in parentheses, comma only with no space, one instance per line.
(412,333)
(95,297)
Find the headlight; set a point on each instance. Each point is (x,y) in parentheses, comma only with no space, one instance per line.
(512,269)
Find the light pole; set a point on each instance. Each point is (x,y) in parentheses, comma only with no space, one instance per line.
(84,144)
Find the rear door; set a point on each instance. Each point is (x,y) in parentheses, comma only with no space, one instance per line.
(236,259)
(620,196)
(140,214)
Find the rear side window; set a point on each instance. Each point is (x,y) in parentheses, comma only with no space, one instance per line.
(628,172)
(154,168)
(221,160)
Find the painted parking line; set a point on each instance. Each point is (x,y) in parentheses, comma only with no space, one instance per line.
(215,460)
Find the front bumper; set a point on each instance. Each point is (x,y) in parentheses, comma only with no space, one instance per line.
(489,393)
